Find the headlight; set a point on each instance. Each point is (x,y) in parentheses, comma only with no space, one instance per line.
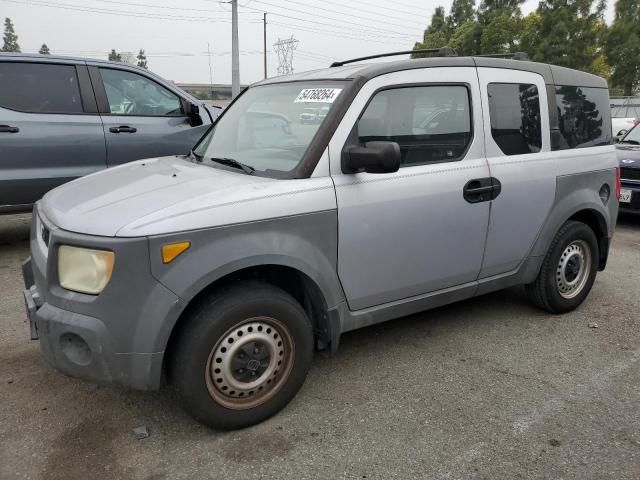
(83,269)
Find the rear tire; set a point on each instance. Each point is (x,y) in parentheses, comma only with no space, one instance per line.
(568,270)
(242,355)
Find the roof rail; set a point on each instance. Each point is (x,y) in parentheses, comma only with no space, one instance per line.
(512,56)
(440,52)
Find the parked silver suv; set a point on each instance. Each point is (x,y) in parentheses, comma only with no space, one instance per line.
(62,118)
(429,181)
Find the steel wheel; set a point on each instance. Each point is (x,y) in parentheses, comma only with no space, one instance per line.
(573,269)
(250,363)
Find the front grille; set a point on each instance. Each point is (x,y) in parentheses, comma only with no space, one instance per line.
(630,173)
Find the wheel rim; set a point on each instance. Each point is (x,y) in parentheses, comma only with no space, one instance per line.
(573,269)
(250,363)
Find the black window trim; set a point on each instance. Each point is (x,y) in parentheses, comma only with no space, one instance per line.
(540,110)
(103,101)
(85,101)
(352,138)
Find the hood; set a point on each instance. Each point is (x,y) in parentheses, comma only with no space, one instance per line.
(172,194)
(105,202)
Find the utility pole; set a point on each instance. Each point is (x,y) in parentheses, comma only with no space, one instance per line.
(210,72)
(235,54)
(264,43)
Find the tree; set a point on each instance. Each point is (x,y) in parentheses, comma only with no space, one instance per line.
(436,35)
(44,50)
(462,11)
(490,8)
(142,59)
(570,33)
(10,37)
(114,56)
(502,33)
(622,46)
(466,38)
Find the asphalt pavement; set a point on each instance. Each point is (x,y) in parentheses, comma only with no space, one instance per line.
(489,388)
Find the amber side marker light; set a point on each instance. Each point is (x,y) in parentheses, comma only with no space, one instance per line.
(171,250)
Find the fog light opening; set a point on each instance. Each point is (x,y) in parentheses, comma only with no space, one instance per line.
(75,349)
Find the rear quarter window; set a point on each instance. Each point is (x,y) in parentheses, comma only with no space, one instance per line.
(583,116)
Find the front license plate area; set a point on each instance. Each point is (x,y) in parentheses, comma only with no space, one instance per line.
(625,195)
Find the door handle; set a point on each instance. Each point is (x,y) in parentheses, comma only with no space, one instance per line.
(123,129)
(481,189)
(8,129)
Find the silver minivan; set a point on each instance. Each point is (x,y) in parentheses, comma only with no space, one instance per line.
(427,182)
(62,118)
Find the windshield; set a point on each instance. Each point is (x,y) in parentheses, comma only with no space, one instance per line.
(270,127)
(633,136)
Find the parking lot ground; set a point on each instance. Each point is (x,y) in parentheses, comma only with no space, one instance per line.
(488,388)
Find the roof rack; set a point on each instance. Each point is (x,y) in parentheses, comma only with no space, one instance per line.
(512,56)
(440,52)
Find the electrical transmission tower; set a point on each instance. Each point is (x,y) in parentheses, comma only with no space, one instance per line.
(284,49)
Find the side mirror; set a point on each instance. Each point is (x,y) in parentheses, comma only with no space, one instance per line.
(621,135)
(372,157)
(192,112)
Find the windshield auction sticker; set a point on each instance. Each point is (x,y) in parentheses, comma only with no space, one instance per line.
(317,95)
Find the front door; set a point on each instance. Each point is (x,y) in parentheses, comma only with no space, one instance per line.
(412,232)
(143,118)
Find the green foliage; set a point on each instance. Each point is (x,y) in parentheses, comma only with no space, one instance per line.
(462,12)
(142,59)
(501,35)
(10,38)
(466,38)
(44,50)
(622,46)
(436,35)
(570,33)
(114,56)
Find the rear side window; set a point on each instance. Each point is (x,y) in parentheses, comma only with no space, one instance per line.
(582,115)
(514,109)
(132,94)
(39,88)
(430,123)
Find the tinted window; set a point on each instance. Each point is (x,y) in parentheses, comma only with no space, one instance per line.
(431,124)
(581,115)
(514,109)
(39,88)
(132,94)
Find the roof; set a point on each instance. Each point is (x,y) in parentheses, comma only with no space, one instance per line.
(63,58)
(552,74)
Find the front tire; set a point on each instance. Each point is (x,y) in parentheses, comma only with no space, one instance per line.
(568,270)
(242,355)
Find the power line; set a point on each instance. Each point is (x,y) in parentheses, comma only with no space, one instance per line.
(103,11)
(315,8)
(390,33)
(386,10)
(325,33)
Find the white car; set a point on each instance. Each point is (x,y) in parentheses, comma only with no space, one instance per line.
(625,114)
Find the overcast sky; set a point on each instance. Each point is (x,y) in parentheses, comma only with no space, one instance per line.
(175,34)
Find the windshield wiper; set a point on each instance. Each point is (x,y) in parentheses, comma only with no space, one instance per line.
(632,142)
(231,162)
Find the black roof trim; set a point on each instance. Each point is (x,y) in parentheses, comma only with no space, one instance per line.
(441,52)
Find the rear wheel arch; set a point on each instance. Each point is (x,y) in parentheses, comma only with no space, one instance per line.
(596,222)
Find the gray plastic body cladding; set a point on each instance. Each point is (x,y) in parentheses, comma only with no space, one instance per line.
(307,243)
(575,193)
(123,322)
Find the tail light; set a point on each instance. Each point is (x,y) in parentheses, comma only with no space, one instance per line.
(618,183)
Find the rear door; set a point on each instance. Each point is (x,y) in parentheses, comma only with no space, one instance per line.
(50,131)
(515,107)
(141,117)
